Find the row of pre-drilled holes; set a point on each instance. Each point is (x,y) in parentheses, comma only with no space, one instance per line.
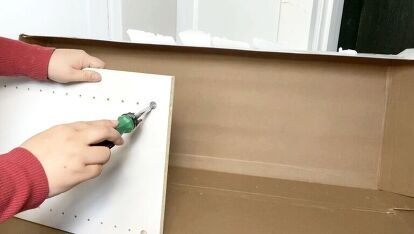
(93,97)
(67,94)
(75,216)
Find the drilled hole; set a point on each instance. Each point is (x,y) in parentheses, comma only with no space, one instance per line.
(53,91)
(137,103)
(93,97)
(4,86)
(50,210)
(89,220)
(17,87)
(101,222)
(122,101)
(28,89)
(107,99)
(80,95)
(41,90)
(66,94)
(114,226)
(75,216)
(129,229)
(63,213)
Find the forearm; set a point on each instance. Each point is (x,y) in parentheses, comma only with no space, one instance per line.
(23,183)
(21,59)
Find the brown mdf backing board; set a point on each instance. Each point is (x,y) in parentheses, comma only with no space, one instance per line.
(289,117)
(397,166)
(308,117)
(209,202)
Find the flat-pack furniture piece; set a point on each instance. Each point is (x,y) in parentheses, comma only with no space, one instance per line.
(129,195)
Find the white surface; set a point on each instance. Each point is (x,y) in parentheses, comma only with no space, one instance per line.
(349,52)
(187,15)
(149,38)
(325,25)
(239,20)
(74,18)
(156,16)
(115,19)
(195,38)
(129,195)
(261,44)
(407,53)
(223,42)
(294,24)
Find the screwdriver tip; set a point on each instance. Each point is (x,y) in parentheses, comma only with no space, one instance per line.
(153,105)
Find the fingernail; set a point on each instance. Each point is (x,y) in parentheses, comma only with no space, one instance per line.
(96,77)
(115,122)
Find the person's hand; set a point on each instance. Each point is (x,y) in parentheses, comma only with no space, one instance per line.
(66,154)
(66,65)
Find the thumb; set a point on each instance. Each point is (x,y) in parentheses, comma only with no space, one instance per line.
(86,75)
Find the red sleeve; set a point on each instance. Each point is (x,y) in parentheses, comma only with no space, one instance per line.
(21,59)
(23,183)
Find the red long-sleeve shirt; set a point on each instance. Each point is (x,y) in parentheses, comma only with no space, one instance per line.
(23,181)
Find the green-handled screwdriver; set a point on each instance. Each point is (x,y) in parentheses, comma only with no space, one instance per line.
(128,122)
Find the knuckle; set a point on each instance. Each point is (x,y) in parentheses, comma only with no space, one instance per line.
(64,128)
(107,122)
(109,131)
(105,127)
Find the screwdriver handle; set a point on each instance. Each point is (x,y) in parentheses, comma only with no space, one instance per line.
(126,123)
(105,143)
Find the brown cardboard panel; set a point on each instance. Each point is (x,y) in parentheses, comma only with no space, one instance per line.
(397,165)
(292,191)
(262,114)
(209,202)
(204,211)
(19,226)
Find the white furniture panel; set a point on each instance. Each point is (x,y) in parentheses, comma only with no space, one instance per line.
(129,195)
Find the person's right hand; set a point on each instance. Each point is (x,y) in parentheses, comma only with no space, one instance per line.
(66,154)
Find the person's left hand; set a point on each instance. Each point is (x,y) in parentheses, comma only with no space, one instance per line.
(66,65)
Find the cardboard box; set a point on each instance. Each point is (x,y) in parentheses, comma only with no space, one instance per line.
(272,142)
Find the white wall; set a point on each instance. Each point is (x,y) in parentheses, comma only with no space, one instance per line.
(240,20)
(73,18)
(287,22)
(326,25)
(157,16)
(295,23)
(187,15)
